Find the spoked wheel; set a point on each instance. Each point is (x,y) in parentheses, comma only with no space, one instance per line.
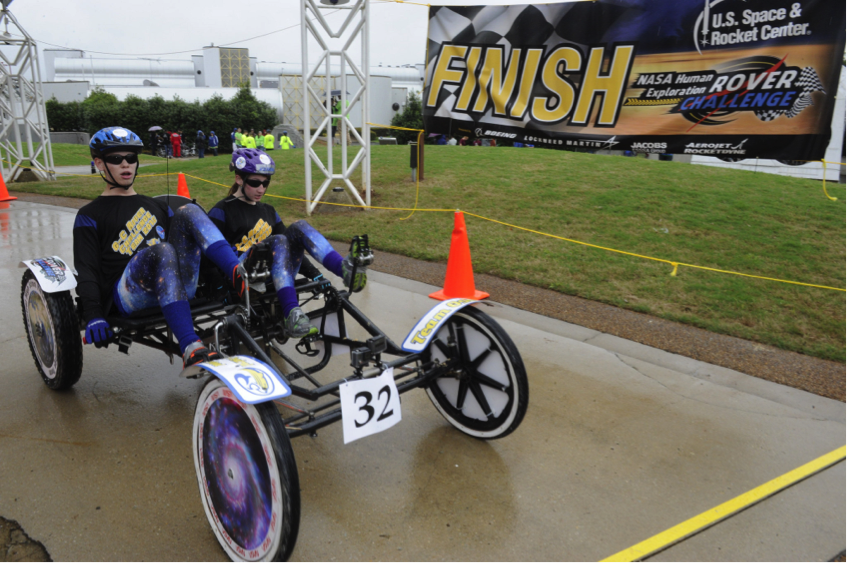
(52,330)
(485,391)
(247,475)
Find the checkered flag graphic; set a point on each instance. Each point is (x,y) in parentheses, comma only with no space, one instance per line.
(768,114)
(809,82)
(801,103)
(539,25)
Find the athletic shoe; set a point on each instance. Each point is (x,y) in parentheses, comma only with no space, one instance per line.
(297,324)
(196,353)
(358,284)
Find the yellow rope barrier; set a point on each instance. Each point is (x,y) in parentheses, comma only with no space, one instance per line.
(417,174)
(824,183)
(673,264)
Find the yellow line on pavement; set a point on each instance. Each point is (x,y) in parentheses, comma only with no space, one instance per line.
(710,517)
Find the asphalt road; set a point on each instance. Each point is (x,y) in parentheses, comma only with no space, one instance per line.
(620,442)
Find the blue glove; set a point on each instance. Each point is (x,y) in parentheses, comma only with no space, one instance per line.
(321,278)
(98,331)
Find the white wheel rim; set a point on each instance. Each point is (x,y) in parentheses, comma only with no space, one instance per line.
(41,329)
(503,373)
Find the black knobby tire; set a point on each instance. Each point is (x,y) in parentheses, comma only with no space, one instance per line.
(243,453)
(52,331)
(485,393)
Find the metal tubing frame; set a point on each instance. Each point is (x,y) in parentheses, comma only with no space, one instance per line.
(359,12)
(22,106)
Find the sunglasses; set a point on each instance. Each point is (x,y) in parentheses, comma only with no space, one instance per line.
(118,158)
(254,183)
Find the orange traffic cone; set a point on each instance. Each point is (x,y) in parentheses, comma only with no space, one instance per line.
(182,186)
(4,193)
(459,280)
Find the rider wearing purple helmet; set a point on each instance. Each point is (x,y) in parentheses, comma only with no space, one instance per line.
(244,221)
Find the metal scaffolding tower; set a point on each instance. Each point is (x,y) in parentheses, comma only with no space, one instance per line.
(314,25)
(24,135)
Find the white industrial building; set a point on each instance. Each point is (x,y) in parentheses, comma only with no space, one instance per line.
(70,75)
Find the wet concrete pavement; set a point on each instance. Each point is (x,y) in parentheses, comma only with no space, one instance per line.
(620,442)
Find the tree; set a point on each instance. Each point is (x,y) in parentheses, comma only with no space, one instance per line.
(102,109)
(411,117)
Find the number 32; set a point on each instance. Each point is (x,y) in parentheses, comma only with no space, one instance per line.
(368,397)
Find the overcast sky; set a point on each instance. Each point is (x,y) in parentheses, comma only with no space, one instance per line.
(398,31)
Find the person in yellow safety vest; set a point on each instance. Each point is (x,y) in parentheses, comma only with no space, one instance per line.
(269,141)
(239,138)
(249,141)
(285,141)
(336,108)
(260,140)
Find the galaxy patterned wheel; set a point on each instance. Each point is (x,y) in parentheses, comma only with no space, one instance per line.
(247,475)
(483,390)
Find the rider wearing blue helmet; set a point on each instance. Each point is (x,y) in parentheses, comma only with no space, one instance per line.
(244,221)
(132,252)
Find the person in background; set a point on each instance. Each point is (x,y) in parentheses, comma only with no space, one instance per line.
(213,143)
(169,144)
(260,140)
(269,141)
(200,144)
(492,143)
(441,140)
(176,141)
(285,141)
(477,142)
(239,138)
(250,140)
(336,108)
(154,142)
(452,141)
(463,141)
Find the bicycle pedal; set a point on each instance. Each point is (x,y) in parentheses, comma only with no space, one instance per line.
(360,251)
(305,345)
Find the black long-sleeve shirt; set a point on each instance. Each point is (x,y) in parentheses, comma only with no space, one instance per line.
(244,225)
(107,233)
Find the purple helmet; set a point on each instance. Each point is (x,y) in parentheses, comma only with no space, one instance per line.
(251,161)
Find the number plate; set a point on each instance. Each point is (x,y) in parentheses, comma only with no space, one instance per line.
(369,406)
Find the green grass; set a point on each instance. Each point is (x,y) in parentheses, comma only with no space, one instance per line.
(66,154)
(758,224)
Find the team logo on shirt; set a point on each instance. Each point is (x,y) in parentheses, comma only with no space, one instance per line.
(137,228)
(260,231)
(160,231)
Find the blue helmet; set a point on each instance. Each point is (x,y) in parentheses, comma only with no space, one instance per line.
(252,161)
(112,139)
(211,132)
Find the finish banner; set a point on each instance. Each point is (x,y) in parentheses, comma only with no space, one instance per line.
(726,78)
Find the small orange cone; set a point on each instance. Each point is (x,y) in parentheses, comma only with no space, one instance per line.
(4,193)
(182,186)
(459,280)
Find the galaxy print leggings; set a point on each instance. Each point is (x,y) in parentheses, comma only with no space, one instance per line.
(288,251)
(167,272)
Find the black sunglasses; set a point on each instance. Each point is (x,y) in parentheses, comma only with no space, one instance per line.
(118,158)
(254,183)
